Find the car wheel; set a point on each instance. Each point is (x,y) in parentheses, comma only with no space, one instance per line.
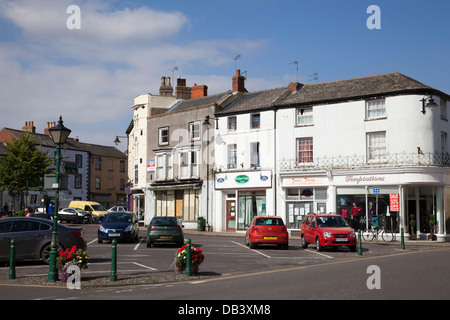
(45,252)
(318,245)
(99,240)
(149,244)
(251,244)
(352,248)
(304,243)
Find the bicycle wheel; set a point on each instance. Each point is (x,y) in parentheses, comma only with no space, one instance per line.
(368,235)
(387,236)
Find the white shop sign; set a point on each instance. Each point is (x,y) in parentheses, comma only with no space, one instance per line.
(243,180)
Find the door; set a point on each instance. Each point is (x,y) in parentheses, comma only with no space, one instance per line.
(231,215)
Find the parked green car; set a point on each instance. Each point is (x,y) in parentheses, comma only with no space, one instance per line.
(165,230)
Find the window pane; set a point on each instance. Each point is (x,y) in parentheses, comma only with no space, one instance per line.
(305,150)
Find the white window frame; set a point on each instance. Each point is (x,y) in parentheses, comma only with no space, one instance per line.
(163,139)
(376,109)
(252,122)
(444,148)
(376,146)
(305,116)
(189,166)
(307,153)
(194,130)
(255,159)
(232,156)
(164,166)
(232,123)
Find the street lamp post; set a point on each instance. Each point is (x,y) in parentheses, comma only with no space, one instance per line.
(59,134)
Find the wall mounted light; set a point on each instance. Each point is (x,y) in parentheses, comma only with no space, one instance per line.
(429,104)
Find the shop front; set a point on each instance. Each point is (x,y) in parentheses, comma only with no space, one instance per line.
(303,195)
(240,196)
(413,199)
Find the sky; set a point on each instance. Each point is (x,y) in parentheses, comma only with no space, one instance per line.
(87,60)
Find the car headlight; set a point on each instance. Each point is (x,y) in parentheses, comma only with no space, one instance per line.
(352,234)
(326,234)
(102,229)
(129,228)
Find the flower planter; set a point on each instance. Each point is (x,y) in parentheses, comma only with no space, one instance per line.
(432,237)
(194,269)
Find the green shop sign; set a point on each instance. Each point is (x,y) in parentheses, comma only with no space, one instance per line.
(242,178)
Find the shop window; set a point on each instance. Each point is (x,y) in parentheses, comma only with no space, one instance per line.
(182,204)
(250,204)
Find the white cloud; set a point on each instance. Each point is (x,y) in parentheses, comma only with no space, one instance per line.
(91,75)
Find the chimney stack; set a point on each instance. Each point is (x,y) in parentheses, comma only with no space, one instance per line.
(29,127)
(295,86)
(181,91)
(166,89)
(199,91)
(49,125)
(238,82)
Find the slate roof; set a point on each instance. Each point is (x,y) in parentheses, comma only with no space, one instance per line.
(73,144)
(255,101)
(198,102)
(354,89)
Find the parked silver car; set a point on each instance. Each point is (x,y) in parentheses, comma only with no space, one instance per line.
(75,215)
(33,238)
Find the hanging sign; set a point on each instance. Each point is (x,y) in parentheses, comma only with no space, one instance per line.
(394,204)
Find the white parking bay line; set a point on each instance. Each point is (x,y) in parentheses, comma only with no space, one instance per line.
(319,253)
(141,265)
(263,254)
(137,245)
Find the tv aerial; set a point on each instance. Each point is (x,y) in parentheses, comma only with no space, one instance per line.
(315,77)
(176,68)
(238,56)
(296,63)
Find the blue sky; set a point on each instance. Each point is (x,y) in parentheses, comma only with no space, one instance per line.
(91,75)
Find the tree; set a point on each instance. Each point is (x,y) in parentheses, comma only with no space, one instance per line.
(24,165)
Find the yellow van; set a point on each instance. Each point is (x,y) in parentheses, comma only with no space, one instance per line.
(95,208)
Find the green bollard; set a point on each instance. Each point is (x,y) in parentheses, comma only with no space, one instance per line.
(12,260)
(113,276)
(359,243)
(188,257)
(402,238)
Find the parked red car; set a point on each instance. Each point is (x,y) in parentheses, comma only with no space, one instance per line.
(267,230)
(327,230)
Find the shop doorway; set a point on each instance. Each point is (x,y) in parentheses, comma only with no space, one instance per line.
(231,215)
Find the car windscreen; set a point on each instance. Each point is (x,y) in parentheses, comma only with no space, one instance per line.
(331,221)
(98,207)
(269,222)
(117,217)
(164,221)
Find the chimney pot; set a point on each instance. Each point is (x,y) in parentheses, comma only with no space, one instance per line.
(238,82)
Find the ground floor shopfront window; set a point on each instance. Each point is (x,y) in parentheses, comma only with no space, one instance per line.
(250,204)
(304,200)
(424,206)
(183,204)
(360,207)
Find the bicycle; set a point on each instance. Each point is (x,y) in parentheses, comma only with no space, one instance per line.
(374,231)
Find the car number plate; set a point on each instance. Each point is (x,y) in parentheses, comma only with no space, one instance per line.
(114,234)
(270,238)
(165,237)
(341,240)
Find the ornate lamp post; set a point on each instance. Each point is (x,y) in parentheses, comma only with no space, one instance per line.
(59,134)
